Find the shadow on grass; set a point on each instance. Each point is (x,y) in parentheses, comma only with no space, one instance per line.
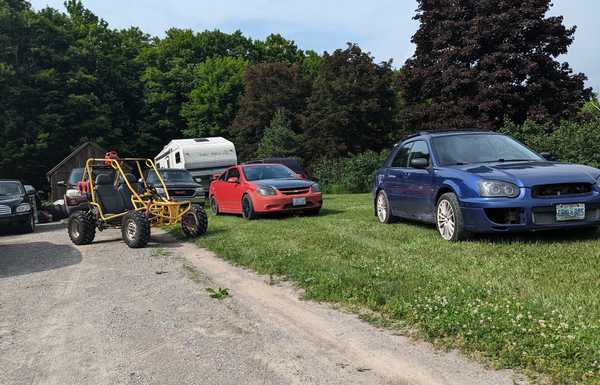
(545,236)
(540,236)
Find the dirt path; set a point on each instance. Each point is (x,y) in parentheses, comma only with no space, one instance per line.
(106,314)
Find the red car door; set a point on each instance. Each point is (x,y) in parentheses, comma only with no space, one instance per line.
(233,191)
(218,186)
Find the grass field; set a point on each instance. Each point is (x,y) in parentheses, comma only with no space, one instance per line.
(530,302)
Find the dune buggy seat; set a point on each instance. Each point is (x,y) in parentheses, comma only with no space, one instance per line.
(108,196)
(126,193)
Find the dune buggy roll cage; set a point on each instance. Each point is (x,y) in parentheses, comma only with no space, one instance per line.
(159,209)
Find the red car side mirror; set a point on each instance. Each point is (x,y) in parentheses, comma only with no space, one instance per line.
(233,179)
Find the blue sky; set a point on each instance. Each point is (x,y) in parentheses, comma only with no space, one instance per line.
(383,27)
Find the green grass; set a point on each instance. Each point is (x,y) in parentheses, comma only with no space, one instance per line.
(530,302)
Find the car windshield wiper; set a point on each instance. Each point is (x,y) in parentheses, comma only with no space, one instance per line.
(502,160)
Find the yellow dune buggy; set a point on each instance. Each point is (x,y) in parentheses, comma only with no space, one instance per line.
(120,197)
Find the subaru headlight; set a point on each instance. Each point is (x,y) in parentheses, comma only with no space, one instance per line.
(23,208)
(315,187)
(266,190)
(491,189)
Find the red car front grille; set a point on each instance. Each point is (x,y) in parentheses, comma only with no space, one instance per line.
(295,191)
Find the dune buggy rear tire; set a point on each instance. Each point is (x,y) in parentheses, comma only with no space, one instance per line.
(82,227)
(195,222)
(135,229)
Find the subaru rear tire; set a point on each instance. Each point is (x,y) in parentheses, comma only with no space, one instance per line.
(383,210)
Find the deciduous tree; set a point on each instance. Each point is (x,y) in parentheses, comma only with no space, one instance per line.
(479,62)
(352,105)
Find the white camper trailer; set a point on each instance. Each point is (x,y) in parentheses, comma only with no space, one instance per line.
(202,157)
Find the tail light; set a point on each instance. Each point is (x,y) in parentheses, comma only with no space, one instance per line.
(74,197)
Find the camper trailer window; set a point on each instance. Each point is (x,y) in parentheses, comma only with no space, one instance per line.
(177,158)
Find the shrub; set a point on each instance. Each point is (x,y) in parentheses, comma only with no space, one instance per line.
(353,174)
(571,141)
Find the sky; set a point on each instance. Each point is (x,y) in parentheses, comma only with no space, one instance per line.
(382,27)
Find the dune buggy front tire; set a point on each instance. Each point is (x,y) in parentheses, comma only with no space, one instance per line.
(195,222)
(82,228)
(135,229)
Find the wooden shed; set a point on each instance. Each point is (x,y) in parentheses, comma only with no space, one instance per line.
(76,159)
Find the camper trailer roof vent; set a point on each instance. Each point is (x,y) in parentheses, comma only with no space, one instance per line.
(200,140)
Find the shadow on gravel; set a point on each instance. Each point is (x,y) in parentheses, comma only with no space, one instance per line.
(39,228)
(26,258)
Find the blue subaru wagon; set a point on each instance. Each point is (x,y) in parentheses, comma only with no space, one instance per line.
(484,182)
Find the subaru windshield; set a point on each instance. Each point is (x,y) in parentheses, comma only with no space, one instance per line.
(479,148)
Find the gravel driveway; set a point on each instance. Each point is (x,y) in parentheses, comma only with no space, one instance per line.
(107,314)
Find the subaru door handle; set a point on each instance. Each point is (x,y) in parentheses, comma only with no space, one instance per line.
(392,176)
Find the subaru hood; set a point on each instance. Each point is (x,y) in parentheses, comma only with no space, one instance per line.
(284,183)
(531,173)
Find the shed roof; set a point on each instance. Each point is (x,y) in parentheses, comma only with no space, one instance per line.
(71,155)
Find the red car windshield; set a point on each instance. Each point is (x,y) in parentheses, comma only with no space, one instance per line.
(267,171)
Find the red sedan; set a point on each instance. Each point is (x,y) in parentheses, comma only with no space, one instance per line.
(252,189)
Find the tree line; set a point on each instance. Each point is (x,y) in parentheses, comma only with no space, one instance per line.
(66,78)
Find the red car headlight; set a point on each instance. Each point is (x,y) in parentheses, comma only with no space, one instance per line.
(266,190)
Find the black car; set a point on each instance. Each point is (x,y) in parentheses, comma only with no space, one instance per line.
(16,206)
(180,185)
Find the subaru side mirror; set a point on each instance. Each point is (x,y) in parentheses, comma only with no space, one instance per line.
(547,155)
(419,163)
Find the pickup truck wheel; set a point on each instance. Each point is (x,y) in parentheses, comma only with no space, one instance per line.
(82,228)
(135,229)
(195,222)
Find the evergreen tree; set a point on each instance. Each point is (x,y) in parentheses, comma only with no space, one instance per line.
(268,87)
(279,140)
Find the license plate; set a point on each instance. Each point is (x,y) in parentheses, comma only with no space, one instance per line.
(299,201)
(570,212)
(180,192)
